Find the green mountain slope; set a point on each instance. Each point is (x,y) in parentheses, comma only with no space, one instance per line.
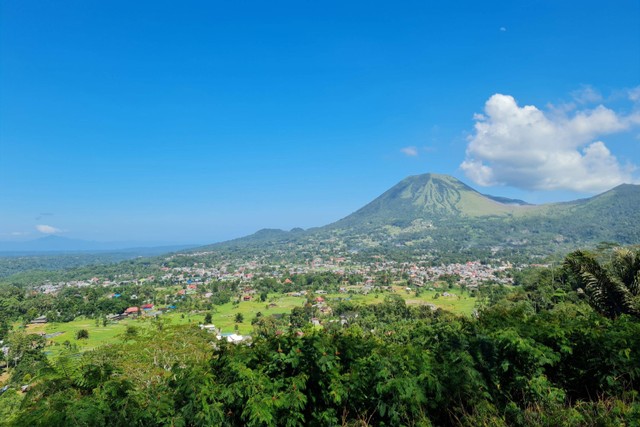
(428,197)
(438,215)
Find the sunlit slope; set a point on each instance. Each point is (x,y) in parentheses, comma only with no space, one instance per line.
(428,196)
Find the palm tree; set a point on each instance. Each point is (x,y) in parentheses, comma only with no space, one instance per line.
(612,288)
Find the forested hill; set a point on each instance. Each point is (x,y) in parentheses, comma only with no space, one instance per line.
(60,260)
(437,214)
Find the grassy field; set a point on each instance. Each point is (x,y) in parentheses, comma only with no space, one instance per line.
(460,302)
(98,335)
(224,316)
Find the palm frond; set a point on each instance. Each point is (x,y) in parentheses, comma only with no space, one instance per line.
(610,288)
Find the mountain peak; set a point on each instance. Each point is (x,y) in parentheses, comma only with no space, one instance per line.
(425,177)
(627,187)
(427,196)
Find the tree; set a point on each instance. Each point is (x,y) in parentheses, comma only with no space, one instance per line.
(22,345)
(612,288)
(82,334)
(239,318)
(300,316)
(257,318)
(207,318)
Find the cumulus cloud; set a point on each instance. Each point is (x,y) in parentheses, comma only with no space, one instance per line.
(526,148)
(410,151)
(47,229)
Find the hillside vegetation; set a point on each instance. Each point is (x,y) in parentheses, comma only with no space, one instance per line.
(441,217)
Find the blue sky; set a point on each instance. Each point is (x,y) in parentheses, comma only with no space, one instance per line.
(203,121)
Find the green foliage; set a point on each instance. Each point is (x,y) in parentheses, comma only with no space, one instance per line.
(131,332)
(10,402)
(538,356)
(612,288)
(25,356)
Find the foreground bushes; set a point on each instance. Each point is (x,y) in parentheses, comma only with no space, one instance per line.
(512,366)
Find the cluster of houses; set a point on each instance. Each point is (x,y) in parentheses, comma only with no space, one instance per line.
(229,337)
(418,273)
(471,273)
(135,311)
(320,303)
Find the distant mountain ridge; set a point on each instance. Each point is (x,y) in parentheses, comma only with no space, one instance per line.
(51,244)
(507,201)
(437,214)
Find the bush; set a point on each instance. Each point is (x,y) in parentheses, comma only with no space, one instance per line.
(130,332)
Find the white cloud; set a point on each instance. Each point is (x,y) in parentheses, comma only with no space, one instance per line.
(503,29)
(586,95)
(410,151)
(47,229)
(526,148)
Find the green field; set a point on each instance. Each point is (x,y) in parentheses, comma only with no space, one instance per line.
(99,335)
(224,316)
(460,303)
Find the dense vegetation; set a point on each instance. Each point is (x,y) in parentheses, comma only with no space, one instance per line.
(563,348)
